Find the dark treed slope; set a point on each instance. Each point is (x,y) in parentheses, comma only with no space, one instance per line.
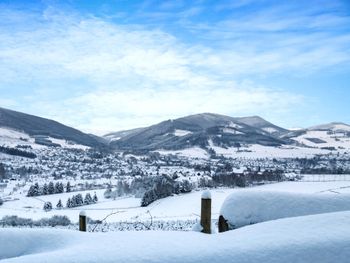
(33,125)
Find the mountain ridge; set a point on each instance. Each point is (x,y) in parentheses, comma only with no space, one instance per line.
(198,130)
(203,130)
(38,126)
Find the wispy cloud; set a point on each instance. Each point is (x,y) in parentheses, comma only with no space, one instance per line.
(104,110)
(100,76)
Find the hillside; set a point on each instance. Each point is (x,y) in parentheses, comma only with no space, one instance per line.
(25,127)
(197,131)
(331,136)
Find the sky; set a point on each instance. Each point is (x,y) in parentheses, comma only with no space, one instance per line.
(103,66)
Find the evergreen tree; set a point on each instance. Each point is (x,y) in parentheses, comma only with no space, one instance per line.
(33,190)
(88,199)
(148,197)
(126,188)
(108,193)
(186,186)
(47,206)
(2,172)
(45,189)
(69,203)
(68,187)
(51,188)
(74,201)
(58,188)
(120,190)
(36,189)
(79,200)
(59,204)
(95,199)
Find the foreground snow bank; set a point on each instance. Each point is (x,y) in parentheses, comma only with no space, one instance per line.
(319,238)
(243,208)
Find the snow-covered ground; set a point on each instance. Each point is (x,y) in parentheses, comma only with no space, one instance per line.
(13,138)
(251,151)
(251,207)
(184,206)
(194,152)
(181,133)
(337,140)
(308,238)
(318,238)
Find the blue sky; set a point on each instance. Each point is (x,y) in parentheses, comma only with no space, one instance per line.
(102,66)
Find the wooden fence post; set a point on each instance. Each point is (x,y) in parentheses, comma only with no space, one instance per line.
(206,212)
(82,221)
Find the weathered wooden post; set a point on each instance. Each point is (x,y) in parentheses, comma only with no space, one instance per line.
(206,212)
(82,221)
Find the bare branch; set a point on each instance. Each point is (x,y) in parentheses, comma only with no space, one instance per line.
(113,213)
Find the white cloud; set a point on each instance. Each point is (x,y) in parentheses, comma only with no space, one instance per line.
(116,110)
(114,76)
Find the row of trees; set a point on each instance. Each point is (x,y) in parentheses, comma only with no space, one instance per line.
(244,180)
(150,188)
(17,152)
(78,200)
(48,189)
(74,201)
(163,186)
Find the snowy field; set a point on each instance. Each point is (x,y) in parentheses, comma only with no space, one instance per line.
(252,152)
(321,238)
(177,207)
(281,235)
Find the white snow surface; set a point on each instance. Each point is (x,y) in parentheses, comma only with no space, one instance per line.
(11,138)
(336,140)
(270,129)
(181,133)
(177,207)
(232,131)
(206,195)
(301,239)
(250,207)
(194,152)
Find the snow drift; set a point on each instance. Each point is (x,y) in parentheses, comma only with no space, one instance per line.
(243,208)
(319,238)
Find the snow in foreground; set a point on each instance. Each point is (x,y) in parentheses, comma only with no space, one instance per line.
(318,238)
(245,208)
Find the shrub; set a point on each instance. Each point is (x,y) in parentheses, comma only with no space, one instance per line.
(47,206)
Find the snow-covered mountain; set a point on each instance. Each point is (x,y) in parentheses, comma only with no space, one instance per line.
(200,130)
(334,136)
(197,134)
(18,128)
(260,123)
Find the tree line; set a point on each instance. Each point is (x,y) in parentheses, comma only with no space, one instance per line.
(74,201)
(48,189)
(17,152)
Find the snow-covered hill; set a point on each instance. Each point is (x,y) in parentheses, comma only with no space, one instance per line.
(202,135)
(196,131)
(332,136)
(22,126)
(196,136)
(14,138)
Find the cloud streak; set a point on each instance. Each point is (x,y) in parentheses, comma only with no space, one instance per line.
(101,76)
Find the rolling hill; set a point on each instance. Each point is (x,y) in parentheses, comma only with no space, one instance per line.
(17,125)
